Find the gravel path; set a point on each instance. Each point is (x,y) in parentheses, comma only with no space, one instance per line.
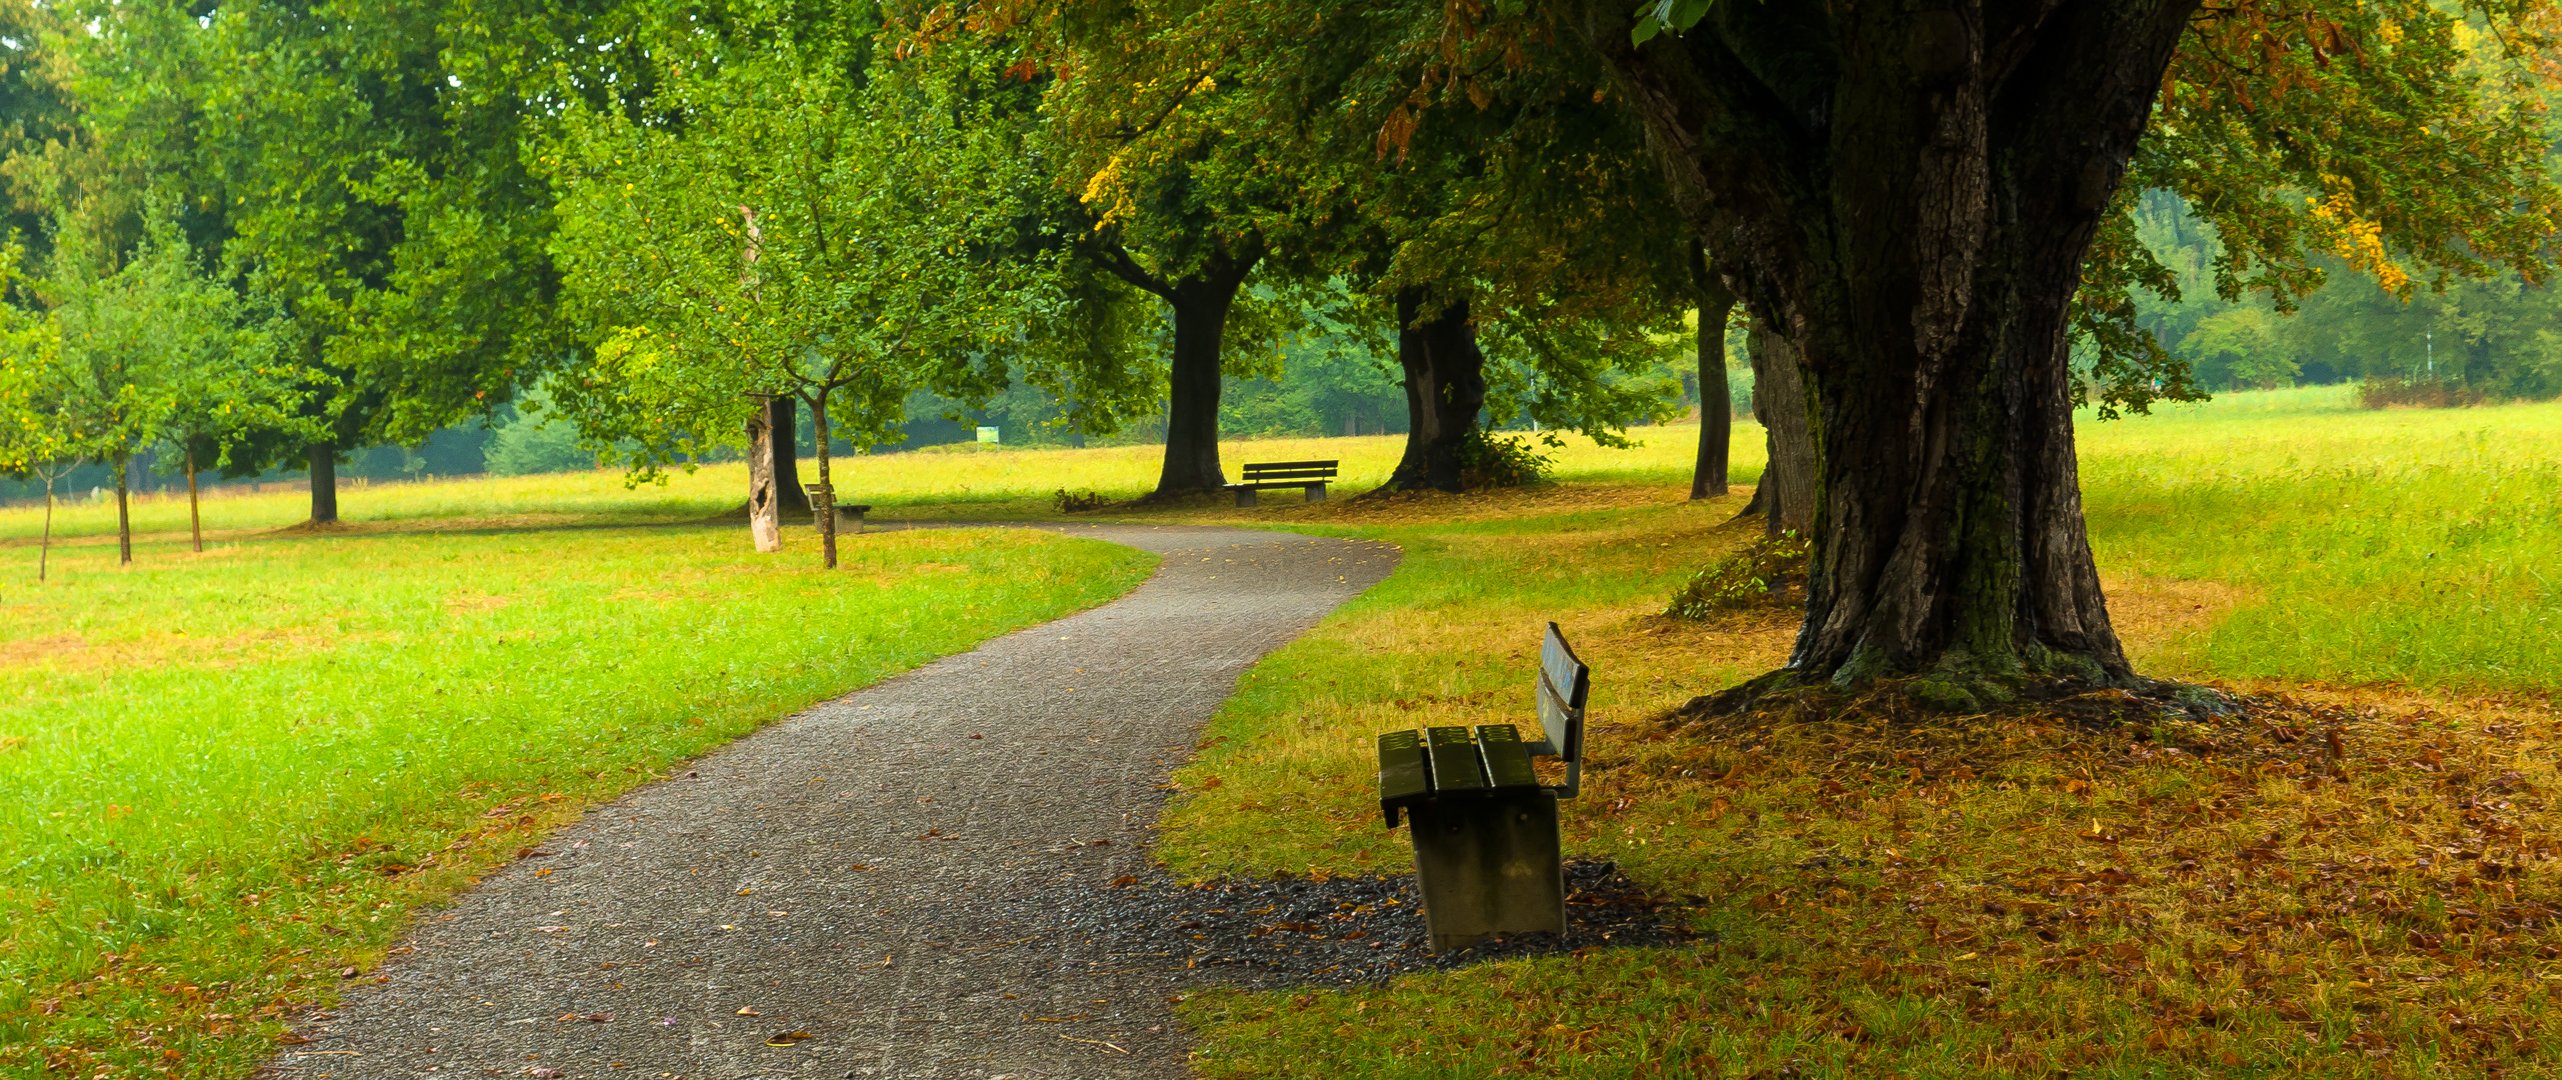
(876,883)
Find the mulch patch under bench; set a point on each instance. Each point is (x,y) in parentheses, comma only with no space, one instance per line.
(1294,931)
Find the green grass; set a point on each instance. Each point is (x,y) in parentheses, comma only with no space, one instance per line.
(2033,899)
(957,482)
(225,777)
(2402,546)
(2273,919)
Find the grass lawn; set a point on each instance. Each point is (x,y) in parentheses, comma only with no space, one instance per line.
(226,778)
(1947,899)
(1924,899)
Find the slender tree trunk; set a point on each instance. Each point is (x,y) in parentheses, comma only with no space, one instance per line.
(783,415)
(44,547)
(764,502)
(1786,495)
(1445,378)
(1716,400)
(826,515)
(124,516)
(1908,193)
(195,513)
(324,484)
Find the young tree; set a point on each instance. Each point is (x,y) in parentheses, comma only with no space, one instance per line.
(1909,193)
(779,223)
(36,436)
(139,340)
(230,387)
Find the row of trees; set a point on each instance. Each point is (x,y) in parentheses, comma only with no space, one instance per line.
(682,217)
(692,222)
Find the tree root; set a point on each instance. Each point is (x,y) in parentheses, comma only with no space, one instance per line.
(1940,696)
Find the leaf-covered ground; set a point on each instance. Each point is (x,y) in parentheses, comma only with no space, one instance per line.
(2355,877)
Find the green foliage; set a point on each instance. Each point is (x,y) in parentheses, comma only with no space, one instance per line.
(1497,461)
(1078,502)
(1757,576)
(2405,141)
(534,441)
(152,348)
(2240,347)
(807,229)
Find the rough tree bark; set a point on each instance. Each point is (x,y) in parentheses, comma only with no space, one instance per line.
(1908,191)
(1716,400)
(324,484)
(1786,495)
(1445,378)
(826,515)
(1201,304)
(124,518)
(783,460)
(764,500)
(1200,301)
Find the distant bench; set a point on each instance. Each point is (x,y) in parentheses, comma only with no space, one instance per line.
(1312,476)
(823,497)
(1484,829)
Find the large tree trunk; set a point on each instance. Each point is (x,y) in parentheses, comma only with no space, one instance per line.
(324,484)
(1908,192)
(764,501)
(1201,304)
(1445,377)
(124,516)
(783,454)
(1786,495)
(1716,399)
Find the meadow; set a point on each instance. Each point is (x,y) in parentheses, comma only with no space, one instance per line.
(2353,881)
(227,779)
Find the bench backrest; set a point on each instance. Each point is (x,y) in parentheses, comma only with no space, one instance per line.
(1564,682)
(1289,470)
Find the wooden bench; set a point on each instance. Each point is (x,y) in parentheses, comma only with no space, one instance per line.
(1311,476)
(1486,848)
(823,496)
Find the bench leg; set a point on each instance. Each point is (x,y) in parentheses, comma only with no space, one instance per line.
(1490,865)
(1316,493)
(1245,496)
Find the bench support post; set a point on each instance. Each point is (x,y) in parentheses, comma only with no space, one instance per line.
(1316,492)
(1489,865)
(1245,496)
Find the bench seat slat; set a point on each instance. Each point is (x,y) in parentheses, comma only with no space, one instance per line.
(1456,766)
(1404,774)
(1507,757)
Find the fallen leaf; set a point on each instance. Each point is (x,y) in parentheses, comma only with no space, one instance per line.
(748,1010)
(787,1038)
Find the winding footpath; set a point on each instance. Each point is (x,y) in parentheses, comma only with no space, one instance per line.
(882,886)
